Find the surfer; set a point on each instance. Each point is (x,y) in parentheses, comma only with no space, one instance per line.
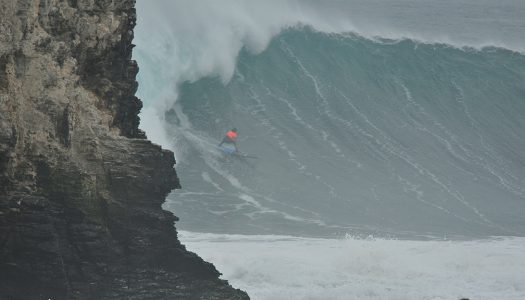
(230,138)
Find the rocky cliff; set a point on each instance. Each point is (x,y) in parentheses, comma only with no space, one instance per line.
(81,187)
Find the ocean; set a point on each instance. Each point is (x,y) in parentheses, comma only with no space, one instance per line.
(384,131)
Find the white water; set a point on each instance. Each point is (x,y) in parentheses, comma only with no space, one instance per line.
(284,267)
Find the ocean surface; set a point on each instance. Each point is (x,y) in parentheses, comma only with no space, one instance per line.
(384,131)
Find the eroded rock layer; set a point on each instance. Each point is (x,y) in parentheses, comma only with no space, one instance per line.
(81,188)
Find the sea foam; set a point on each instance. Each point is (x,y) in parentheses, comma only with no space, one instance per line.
(285,267)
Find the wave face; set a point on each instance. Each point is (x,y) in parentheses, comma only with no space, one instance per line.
(356,135)
(410,134)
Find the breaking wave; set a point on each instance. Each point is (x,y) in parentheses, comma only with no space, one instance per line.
(361,126)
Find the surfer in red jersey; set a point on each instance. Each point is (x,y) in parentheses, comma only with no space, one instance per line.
(230,138)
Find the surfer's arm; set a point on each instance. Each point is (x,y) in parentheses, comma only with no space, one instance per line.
(223,141)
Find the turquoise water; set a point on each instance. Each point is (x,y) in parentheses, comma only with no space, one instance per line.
(385,118)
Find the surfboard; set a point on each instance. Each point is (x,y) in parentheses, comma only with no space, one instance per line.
(227,148)
(244,155)
(230,150)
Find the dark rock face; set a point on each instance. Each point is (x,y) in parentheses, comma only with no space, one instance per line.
(81,188)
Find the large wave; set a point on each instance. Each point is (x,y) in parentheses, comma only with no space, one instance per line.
(354,132)
(187,40)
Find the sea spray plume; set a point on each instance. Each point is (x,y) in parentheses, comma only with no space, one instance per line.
(202,38)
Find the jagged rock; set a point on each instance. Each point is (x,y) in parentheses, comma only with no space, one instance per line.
(81,188)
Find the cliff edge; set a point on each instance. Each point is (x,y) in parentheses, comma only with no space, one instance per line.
(81,187)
